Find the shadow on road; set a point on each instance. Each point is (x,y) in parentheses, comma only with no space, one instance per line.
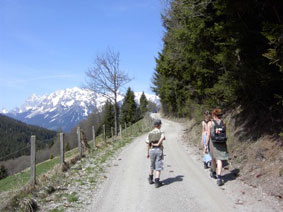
(232,175)
(173,179)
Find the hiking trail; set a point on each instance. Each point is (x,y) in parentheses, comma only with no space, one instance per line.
(187,186)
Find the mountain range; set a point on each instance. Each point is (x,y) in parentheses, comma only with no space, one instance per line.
(63,109)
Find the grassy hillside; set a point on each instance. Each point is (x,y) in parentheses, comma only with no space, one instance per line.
(15,137)
(14,190)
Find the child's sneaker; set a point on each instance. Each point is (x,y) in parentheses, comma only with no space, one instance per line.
(205,165)
(209,164)
(157,183)
(150,179)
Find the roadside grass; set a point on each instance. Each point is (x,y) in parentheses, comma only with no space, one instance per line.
(104,150)
(22,178)
(73,197)
(57,210)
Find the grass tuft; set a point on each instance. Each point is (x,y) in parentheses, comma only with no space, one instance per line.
(73,197)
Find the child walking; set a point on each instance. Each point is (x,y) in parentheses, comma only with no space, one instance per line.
(204,124)
(154,142)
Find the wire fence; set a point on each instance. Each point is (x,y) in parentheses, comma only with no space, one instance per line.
(128,132)
(13,153)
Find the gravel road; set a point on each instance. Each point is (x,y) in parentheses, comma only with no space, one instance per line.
(187,187)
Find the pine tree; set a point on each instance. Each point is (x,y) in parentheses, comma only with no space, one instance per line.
(108,119)
(214,54)
(129,108)
(143,104)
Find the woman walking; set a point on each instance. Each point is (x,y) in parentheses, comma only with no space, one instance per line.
(216,139)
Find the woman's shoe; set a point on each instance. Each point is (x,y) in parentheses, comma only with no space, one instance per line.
(220,182)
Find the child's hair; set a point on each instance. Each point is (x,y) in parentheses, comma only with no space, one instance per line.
(206,115)
(217,112)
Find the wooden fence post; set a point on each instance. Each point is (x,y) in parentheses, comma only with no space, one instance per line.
(112,135)
(79,141)
(32,161)
(130,125)
(104,133)
(120,126)
(93,137)
(139,127)
(62,159)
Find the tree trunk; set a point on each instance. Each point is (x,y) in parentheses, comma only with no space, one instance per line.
(115,117)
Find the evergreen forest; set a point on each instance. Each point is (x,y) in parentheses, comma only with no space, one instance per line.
(15,137)
(222,53)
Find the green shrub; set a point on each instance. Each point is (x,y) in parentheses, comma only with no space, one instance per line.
(3,172)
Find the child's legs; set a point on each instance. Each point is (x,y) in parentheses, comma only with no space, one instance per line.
(152,158)
(158,162)
(158,174)
(204,139)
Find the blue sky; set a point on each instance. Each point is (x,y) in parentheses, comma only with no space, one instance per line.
(47,45)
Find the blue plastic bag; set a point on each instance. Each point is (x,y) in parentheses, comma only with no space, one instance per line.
(206,157)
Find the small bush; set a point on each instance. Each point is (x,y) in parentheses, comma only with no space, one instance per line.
(67,147)
(29,204)
(3,172)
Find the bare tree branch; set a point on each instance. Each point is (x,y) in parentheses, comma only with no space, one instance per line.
(106,78)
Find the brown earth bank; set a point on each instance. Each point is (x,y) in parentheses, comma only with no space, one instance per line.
(255,162)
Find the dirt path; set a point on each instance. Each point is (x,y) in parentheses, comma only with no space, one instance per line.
(187,185)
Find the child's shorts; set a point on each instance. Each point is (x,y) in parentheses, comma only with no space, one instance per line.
(156,159)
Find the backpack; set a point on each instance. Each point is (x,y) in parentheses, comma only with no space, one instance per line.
(154,136)
(221,136)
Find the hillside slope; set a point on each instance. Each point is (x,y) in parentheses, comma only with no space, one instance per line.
(15,135)
(257,159)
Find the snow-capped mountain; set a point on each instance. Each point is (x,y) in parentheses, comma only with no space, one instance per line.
(64,108)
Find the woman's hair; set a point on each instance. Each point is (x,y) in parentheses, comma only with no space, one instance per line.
(217,113)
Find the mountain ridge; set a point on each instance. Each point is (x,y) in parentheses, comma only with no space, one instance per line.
(63,109)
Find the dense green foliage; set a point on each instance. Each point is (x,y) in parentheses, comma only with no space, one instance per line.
(143,104)
(129,109)
(108,117)
(221,53)
(15,135)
